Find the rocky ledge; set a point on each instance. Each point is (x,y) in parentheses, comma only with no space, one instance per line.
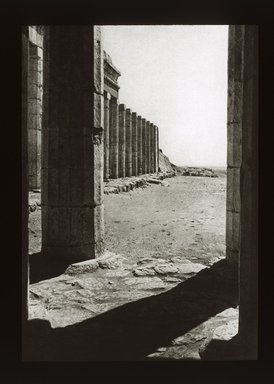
(127,184)
(195,171)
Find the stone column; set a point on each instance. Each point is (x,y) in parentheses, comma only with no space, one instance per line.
(106,135)
(35,92)
(234,141)
(72,173)
(155,149)
(248,308)
(148,142)
(122,140)
(152,148)
(144,147)
(128,143)
(158,150)
(139,146)
(113,138)
(134,144)
(25,183)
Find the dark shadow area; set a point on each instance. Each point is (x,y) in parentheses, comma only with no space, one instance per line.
(42,268)
(134,330)
(232,349)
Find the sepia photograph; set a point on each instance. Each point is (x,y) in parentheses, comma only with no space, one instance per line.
(139,192)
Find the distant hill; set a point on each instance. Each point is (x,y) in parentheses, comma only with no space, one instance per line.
(164,164)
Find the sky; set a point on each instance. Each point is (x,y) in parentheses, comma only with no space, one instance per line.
(176,77)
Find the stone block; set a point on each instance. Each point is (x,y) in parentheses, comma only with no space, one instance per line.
(233,202)
(233,230)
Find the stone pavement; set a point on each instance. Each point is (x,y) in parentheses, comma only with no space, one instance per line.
(93,288)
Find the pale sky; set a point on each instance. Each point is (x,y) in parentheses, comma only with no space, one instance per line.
(176,77)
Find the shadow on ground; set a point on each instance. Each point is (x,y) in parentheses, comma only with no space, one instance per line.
(42,268)
(134,330)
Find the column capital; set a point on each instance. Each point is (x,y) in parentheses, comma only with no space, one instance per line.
(128,110)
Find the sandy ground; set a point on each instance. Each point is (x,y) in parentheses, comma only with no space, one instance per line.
(185,220)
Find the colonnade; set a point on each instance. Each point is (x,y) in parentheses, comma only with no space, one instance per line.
(131,143)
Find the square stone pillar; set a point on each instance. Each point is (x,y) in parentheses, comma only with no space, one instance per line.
(113,138)
(248,308)
(234,141)
(72,173)
(128,143)
(134,144)
(144,146)
(148,144)
(35,92)
(157,148)
(152,148)
(106,135)
(139,146)
(122,140)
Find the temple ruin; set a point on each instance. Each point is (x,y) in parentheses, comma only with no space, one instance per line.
(76,134)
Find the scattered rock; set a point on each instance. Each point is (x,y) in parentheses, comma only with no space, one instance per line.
(110,260)
(154,181)
(82,267)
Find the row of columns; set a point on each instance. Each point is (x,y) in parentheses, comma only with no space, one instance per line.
(131,143)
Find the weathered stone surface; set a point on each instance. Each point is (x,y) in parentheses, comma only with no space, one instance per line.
(82,267)
(234,144)
(145,283)
(110,260)
(72,213)
(233,189)
(190,268)
(144,271)
(165,269)
(114,138)
(106,135)
(224,333)
(233,230)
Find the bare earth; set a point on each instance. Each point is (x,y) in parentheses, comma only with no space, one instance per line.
(157,237)
(185,219)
